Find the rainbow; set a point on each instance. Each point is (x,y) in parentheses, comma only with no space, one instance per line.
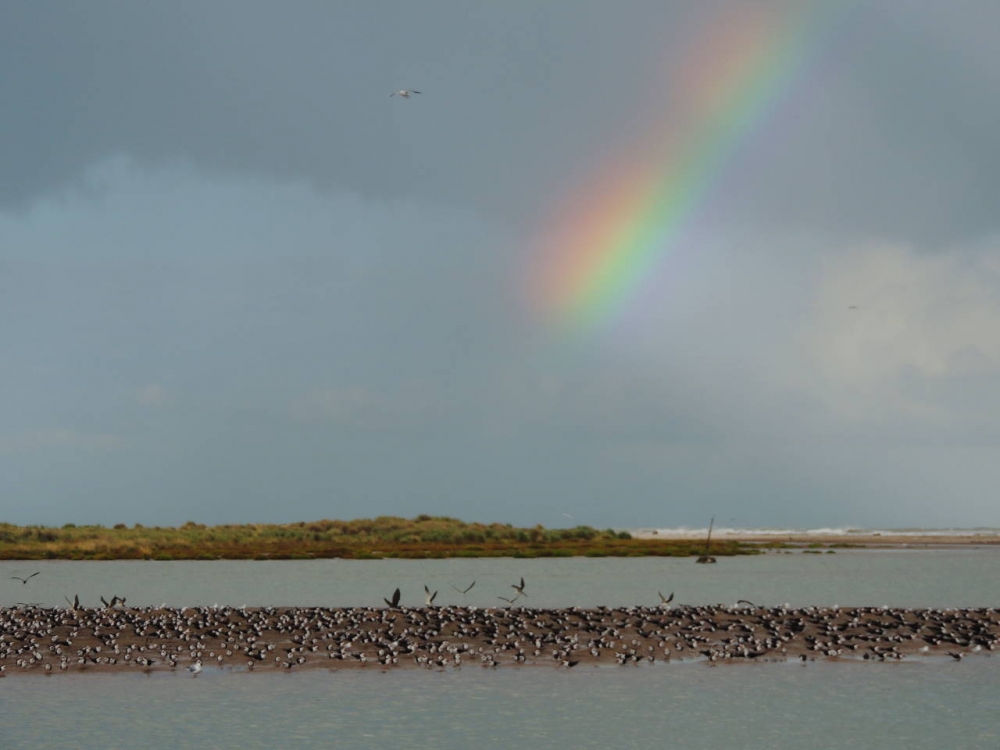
(732,77)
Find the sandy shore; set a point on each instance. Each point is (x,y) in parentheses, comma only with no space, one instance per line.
(37,640)
(857,540)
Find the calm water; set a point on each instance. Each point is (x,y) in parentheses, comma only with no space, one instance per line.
(917,704)
(957,577)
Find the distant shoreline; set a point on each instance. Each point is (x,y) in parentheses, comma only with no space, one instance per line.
(422,537)
(429,537)
(877,539)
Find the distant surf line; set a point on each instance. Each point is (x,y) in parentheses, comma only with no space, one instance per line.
(684,532)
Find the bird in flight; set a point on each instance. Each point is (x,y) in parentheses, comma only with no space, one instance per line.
(24,581)
(465,590)
(405,93)
(519,589)
(429,598)
(395,599)
(666,599)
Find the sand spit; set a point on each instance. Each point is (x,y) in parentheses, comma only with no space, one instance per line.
(874,539)
(34,639)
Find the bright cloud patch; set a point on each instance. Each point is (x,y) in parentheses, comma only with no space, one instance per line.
(903,327)
(886,309)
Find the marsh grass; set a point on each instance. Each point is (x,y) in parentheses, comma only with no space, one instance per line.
(383,537)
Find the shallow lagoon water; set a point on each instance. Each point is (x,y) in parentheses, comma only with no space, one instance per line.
(919,703)
(952,577)
(681,705)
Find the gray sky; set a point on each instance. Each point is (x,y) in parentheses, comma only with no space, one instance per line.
(240,283)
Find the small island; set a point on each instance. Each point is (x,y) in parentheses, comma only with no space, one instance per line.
(423,537)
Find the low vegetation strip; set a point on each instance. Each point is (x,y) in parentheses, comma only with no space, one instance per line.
(383,537)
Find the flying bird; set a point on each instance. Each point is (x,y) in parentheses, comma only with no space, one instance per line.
(395,599)
(429,598)
(519,589)
(464,591)
(666,599)
(405,93)
(24,581)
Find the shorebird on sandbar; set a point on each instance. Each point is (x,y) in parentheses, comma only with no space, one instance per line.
(195,669)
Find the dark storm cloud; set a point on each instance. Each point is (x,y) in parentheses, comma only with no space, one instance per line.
(301,90)
(238,282)
(892,132)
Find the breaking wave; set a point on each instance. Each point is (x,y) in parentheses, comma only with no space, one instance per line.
(684,532)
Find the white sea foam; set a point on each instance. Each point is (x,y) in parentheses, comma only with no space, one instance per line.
(684,532)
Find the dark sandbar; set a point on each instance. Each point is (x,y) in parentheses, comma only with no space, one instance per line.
(35,639)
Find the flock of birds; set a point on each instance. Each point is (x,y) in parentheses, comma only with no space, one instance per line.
(439,637)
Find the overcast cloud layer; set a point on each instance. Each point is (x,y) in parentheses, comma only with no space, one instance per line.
(239,282)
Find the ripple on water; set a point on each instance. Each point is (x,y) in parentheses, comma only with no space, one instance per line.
(916,705)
